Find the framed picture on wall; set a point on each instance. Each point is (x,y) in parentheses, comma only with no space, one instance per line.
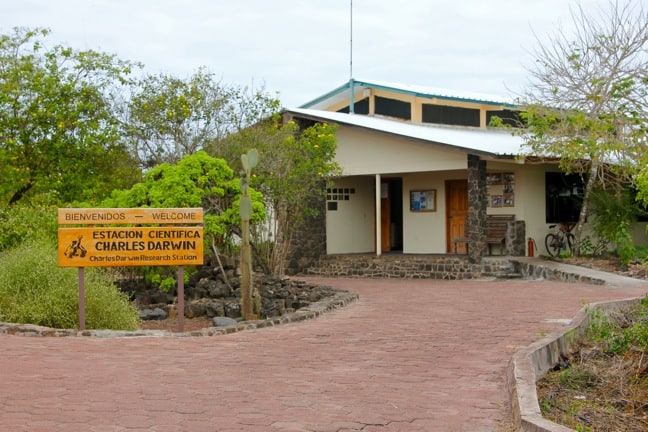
(423,200)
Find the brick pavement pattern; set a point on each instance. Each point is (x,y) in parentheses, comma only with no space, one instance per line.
(409,355)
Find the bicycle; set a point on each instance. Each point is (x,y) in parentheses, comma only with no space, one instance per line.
(560,240)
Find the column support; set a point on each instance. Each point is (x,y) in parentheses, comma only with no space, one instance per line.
(378,245)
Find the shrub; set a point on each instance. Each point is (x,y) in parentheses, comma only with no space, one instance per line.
(21,222)
(34,290)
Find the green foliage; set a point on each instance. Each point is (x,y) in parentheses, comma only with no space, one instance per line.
(618,331)
(169,117)
(33,289)
(197,180)
(578,378)
(614,215)
(297,163)
(641,253)
(22,222)
(586,102)
(58,131)
(165,277)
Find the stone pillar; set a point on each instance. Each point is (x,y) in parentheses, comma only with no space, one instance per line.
(309,241)
(516,238)
(477,200)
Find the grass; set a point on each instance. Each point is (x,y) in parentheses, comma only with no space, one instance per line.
(604,385)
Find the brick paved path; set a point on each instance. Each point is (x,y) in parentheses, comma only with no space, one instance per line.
(418,355)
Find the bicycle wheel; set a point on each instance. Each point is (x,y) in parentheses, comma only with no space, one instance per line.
(570,240)
(553,244)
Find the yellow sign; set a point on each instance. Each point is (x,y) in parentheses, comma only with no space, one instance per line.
(129,246)
(111,216)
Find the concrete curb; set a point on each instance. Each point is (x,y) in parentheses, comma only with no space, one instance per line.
(340,299)
(530,364)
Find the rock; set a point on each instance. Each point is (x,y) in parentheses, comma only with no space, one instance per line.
(153,314)
(223,321)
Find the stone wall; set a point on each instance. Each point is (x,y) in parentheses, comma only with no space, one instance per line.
(309,241)
(395,266)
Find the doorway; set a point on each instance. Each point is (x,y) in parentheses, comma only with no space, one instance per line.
(456,213)
(391,214)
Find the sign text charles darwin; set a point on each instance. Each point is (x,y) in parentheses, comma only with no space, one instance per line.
(128,246)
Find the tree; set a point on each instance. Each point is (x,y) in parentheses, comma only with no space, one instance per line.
(197,180)
(296,163)
(58,134)
(168,117)
(587,103)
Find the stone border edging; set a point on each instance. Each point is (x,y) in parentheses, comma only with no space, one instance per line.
(340,299)
(532,362)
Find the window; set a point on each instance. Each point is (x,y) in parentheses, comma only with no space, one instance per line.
(450,115)
(508,117)
(393,108)
(564,197)
(360,107)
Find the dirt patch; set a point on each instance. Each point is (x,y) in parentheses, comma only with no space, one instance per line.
(593,391)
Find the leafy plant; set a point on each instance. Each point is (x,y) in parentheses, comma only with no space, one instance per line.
(619,331)
(23,222)
(614,214)
(34,290)
(58,129)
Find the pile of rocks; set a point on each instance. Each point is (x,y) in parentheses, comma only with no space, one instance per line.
(216,293)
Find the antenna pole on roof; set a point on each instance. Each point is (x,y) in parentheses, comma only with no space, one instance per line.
(352,97)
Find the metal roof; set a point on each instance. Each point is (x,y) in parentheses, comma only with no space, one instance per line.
(487,141)
(343,92)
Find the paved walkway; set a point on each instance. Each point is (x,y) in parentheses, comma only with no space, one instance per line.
(409,355)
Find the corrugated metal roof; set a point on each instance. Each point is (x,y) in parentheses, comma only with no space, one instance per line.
(342,92)
(493,142)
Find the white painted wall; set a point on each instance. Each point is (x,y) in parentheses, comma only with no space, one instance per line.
(425,232)
(350,229)
(369,153)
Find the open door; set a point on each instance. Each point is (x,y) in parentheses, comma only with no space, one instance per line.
(391,215)
(457,212)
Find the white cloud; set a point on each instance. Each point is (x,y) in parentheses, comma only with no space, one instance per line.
(301,47)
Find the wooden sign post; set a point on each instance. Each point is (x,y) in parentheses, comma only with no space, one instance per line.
(123,241)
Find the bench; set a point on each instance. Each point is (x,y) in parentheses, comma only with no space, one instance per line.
(496,227)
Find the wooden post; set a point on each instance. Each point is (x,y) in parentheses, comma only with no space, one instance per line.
(81,298)
(181,308)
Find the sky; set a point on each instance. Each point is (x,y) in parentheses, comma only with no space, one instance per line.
(298,50)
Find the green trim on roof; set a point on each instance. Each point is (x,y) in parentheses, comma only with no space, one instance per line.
(368,84)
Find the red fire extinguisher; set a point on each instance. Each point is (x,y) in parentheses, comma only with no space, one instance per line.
(531,246)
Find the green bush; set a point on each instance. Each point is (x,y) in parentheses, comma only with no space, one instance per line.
(34,290)
(21,222)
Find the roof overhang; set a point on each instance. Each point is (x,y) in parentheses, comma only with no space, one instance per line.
(485,142)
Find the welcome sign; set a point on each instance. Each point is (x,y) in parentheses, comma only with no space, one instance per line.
(91,246)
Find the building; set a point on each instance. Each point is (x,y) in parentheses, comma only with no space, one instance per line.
(422,169)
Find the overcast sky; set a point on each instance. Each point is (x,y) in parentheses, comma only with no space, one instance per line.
(300,49)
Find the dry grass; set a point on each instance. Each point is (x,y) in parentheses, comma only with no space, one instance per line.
(598,389)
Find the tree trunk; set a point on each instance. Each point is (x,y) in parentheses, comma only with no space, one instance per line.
(582,217)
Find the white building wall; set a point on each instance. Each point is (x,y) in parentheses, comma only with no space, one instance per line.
(370,153)
(425,232)
(350,228)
